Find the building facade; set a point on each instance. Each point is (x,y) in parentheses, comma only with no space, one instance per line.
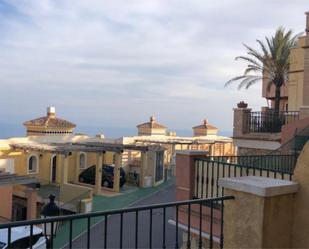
(265,131)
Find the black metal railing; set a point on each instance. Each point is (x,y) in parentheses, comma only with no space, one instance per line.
(208,171)
(270,121)
(295,145)
(273,162)
(136,227)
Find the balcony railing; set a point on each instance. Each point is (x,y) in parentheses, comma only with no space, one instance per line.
(208,171)
(138,227)
(270,121)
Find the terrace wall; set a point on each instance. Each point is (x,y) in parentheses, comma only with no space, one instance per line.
(6,204)
(300,233)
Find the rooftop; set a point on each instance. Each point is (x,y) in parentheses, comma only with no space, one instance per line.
(205,125)
(152,124)
(50,121)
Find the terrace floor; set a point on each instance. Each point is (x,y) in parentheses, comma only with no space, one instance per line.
(167,194)
(45,190)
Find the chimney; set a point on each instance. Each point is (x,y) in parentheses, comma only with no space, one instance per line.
(152,119)
(51,111)
(307,23)
(101,136)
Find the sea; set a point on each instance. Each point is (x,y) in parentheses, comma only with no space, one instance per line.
(17,130)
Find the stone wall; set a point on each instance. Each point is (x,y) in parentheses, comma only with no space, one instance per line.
(250,151)
(300,233)
(288,131)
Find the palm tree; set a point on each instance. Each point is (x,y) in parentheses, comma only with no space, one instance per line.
(271,63)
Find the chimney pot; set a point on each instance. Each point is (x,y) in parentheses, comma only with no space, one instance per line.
(51,111)
(307,22)
(152,119)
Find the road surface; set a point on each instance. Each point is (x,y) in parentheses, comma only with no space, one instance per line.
(113,231)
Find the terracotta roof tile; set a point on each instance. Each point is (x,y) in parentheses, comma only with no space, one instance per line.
(50,122)
(151,125)
(205,125)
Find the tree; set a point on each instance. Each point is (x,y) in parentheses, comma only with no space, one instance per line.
(271,63)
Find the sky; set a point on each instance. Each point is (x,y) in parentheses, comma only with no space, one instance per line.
(113,64)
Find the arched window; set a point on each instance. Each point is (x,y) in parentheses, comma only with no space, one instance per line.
(33,166)
(82,160)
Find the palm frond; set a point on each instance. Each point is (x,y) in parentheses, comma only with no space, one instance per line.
(270,62)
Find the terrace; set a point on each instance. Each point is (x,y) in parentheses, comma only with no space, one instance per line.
(264,131)
(210,193)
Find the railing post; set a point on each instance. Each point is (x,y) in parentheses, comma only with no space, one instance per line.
(241,121)
(185,173)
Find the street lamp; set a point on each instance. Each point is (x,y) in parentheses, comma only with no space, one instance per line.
(50,210)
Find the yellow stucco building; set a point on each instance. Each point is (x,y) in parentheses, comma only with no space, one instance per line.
(55,156)
(298,84)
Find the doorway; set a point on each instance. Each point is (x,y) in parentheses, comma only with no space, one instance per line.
(159,166)
(53,169)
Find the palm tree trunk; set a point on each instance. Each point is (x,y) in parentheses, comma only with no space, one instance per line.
(277,99)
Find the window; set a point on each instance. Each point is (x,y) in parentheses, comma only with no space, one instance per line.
(82,161)
(33,164)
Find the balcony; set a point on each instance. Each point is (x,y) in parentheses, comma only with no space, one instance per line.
(263,193)
(260,132)
(270,121)
(158,226)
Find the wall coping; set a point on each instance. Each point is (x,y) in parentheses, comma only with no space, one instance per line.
(261,186)
(193,152)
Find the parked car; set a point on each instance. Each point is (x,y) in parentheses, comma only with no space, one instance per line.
(88,176)
(20,238)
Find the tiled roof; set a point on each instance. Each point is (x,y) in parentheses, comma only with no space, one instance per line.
(205,125)
(50,122)
(152,124)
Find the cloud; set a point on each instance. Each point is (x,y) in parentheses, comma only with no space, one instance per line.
(115,63)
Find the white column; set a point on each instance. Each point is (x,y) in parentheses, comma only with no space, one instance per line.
(77,171)
(65,170)
(118,160)
(98,173)
(143,168)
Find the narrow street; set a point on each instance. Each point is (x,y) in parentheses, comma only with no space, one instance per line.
(113,231)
